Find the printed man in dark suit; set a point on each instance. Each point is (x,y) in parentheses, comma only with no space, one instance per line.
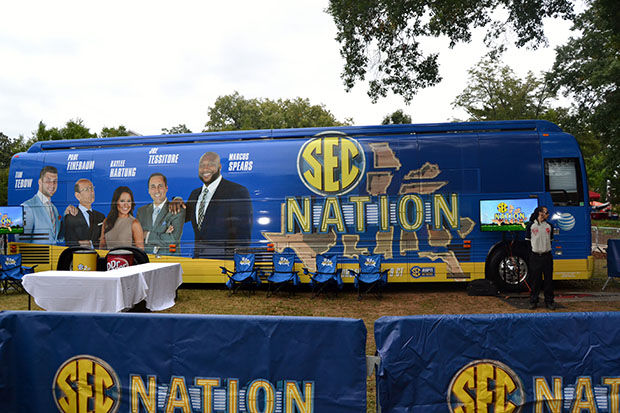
(220,212)
(84,227)
(161,227)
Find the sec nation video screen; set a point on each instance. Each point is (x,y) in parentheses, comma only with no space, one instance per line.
(506,214)
(11,220)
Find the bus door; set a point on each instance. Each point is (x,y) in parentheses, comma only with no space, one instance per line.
(564,186)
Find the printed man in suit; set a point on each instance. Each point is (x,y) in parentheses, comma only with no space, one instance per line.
(220,212)
(161,227)
(84,227)
(42,221)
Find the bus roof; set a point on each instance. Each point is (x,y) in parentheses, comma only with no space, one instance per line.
(413,129)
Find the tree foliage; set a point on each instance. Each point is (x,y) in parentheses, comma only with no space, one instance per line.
(397,117)
(587,69)
(74,129)
(8,148)
(121,130)
(235,112)
(494,92)
(381,38)
(180,128)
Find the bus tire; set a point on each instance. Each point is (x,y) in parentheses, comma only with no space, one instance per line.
(510,272)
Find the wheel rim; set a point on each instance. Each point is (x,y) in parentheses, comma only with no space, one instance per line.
(513,270)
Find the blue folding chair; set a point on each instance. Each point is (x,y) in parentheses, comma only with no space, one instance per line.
(283,274)
(244,275)
(369,275)
(327,274)
(613,260)
(12,271)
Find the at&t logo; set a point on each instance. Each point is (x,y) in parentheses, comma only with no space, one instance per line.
(484,386)
(331,164)
(85,384)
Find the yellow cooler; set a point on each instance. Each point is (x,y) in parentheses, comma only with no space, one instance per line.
(85,260)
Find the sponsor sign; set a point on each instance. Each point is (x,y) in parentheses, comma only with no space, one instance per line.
(331,164)
(422,272)
(499,363)
(107,363)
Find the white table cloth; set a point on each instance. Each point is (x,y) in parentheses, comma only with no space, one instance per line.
(106,291)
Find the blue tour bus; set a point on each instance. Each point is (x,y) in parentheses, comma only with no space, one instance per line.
(440,202)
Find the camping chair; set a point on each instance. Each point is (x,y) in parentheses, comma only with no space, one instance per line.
(282,274)
(613,260)
(369,275)
(12,271)
(326,274)
(244,275)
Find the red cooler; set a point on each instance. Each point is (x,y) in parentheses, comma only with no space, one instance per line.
(119,259)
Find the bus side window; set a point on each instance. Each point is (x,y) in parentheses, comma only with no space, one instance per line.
(563,181)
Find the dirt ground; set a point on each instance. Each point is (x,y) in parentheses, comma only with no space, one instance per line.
(398,300)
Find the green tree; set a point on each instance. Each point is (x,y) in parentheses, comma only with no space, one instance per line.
(121,130)
(4,185)
(8,148)
(396,118)
(180,128)
(587,69)
(235,112)
(44,134)
(494,92)
(382,37)
(74,129)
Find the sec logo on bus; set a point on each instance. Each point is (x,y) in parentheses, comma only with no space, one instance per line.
(484,386)
(331,164)
(86,384)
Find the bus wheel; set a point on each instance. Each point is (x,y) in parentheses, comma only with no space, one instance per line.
(510,272)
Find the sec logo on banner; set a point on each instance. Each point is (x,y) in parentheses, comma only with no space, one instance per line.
(86,384)
(331,164)
(483,386)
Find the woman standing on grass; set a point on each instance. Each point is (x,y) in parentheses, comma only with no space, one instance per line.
(120,227)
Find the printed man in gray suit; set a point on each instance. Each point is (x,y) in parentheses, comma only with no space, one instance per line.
(43,223)
(161,228)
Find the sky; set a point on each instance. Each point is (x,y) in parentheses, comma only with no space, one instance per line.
(150,65)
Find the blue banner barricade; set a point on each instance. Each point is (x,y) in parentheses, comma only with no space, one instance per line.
(565,362)
(180,363)
(613,260)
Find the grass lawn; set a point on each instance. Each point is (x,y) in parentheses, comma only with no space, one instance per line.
(609,223)
(417,299)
